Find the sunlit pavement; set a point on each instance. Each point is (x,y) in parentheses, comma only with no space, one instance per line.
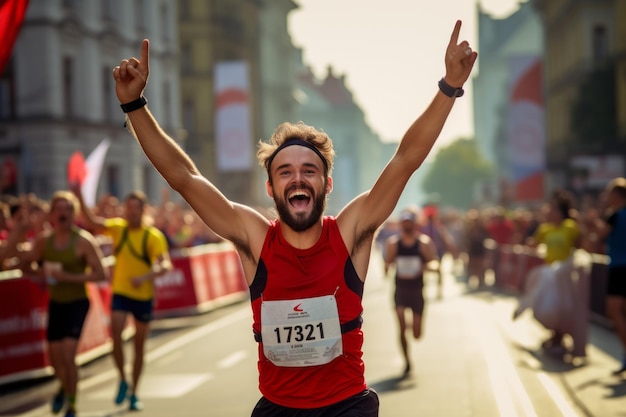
(472,360)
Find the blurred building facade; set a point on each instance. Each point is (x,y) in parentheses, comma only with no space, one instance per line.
(58,92)
(582,48)
(217,33)
(508,46)
(585,91)
(62,96)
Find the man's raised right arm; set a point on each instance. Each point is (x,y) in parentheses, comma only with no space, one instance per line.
(232,221)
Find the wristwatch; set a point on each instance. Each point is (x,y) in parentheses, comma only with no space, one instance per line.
(448,90)
(134,105)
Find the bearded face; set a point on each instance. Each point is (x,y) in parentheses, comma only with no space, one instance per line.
(292,206)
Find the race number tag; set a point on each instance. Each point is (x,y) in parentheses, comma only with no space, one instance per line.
(408,267)
(302,332)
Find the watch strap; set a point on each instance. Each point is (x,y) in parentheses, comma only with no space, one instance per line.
(448,90)
(134,105)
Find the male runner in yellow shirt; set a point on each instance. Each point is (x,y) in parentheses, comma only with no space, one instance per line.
(142,255)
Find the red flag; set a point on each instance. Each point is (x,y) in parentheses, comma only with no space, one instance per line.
(12,14)
(76,168)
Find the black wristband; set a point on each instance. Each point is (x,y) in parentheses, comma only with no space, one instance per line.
(134,105)
(448,90)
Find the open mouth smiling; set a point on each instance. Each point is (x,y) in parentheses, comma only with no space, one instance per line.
(299,199)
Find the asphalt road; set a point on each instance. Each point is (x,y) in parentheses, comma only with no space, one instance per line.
(472,360)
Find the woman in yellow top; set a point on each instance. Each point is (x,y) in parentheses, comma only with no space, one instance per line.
(560,235)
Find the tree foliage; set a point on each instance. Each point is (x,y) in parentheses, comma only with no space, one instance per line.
(456,171)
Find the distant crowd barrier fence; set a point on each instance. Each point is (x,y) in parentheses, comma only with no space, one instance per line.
(512,263)
(203,278)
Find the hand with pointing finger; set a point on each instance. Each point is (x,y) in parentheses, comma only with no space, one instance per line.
(459,59)
(131,76)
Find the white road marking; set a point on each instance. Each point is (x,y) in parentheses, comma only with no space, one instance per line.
(157,353)
(161,386)
(557,395)
(232,359)
(510,395)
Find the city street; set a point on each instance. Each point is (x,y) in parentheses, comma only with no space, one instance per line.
(472,360)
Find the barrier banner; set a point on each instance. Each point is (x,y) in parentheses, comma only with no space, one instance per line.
(175,290)
(200,276)
(217,281)
(233,271)
(203,275)
(23,321)
(527,263)
(505,267)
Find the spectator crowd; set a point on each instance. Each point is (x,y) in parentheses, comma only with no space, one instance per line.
(470,237)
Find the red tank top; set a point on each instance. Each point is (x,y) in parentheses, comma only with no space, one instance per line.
(288,273)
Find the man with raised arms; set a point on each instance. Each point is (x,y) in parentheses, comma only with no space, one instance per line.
(305,270)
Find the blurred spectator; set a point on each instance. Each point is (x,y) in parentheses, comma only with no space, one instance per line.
(14,239)
(454,223)
(559,235)
(108,206)
(4,220)
(525,225)
(502,231)
(475,235)
(500,227)
(389,228)
(590,224)
(164,218)
(39,212)
(200,233)
(432,227)
(614,231)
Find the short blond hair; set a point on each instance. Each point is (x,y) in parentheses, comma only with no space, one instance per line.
(68,196)
(617,186)
(288,131)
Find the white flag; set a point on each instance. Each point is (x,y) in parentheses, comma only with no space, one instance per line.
(94,163)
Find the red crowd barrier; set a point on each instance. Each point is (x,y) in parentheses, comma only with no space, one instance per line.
(202,278)
(23,319)
(527,260)
(508,267)
(23,315)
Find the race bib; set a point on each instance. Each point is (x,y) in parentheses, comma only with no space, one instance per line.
(408,267)
(302,332)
